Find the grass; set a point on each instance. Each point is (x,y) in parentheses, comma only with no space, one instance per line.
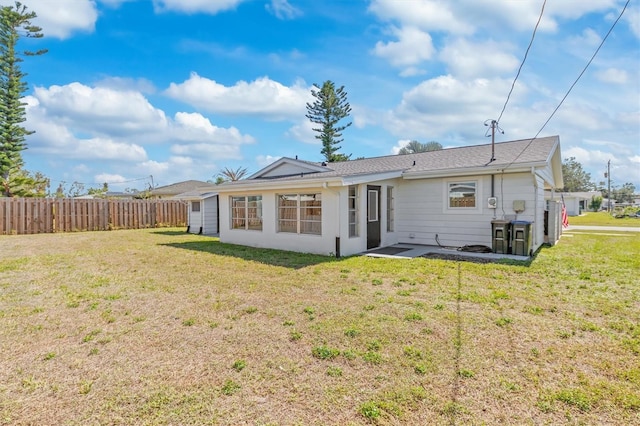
(141,327)
(603,219)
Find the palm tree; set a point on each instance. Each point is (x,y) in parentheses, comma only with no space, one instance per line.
(232,175)
(415,146)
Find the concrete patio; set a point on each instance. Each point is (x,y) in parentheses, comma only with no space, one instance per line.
(410,251)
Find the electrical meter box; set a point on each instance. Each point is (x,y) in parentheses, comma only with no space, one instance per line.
(518,206)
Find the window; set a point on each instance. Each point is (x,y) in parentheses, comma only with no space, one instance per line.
(372,208)
(300,213)
(390,209)
(353,211)
(195,206)
(246,213)
(462,194)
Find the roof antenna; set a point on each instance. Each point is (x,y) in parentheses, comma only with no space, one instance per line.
(493,125)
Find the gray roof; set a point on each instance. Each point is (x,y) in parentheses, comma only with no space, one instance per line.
(179,187)
(525,152)
(197,194)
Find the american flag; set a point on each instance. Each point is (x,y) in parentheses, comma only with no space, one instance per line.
(565,218)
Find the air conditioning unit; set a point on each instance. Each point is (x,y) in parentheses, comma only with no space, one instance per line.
(492,202)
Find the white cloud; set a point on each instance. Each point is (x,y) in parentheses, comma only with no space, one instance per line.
(478,59)
(264,160)
(282,9)
(54,138)
(61,18)
(588,39)
(632,17)
(110,128)
(262,97)
(613,75)
(196,127)
(413,46)
(303,132)
(426,14)
(110,178)
(444,104)
(195,6)
(398,146)
(101,109)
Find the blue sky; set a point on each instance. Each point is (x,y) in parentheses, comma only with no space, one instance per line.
(135,91)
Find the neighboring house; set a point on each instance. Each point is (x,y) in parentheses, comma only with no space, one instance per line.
(447,197)
(174,189)
(575,202)
(203,213)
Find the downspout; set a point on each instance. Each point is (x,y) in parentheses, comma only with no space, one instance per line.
(325,185)
(202,215)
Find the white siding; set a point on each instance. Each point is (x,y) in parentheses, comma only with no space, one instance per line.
(195,218)
(538,226)
(334,222)
(270,238)
(210,215)
(422,213)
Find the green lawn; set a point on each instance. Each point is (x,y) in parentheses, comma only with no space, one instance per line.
(157,327)
(603,219)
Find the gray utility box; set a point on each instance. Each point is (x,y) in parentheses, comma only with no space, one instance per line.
(521,236)
(500,236)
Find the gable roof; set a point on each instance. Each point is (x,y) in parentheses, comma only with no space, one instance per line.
(508,156)
(178,187)
(201,193)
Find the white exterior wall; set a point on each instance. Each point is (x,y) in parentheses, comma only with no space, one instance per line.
(335,214)
(538,225)
(206,218)
(210,215)
(195,219)
(358,244)
(269,237)
(422,209)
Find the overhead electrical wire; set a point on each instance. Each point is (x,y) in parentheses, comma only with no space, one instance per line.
(101,183)
(526,53)
(572,85)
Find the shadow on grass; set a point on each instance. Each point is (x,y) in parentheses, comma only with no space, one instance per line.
(170,233)
(287,259)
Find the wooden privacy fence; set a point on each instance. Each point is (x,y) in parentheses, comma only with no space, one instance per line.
(42,215)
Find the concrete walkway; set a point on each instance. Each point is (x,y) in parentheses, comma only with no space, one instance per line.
(603,228)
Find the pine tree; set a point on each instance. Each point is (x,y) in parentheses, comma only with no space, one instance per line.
(14,22)
(328,109)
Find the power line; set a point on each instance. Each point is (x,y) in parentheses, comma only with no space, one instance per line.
(574,83)
(101,183)
(526,53)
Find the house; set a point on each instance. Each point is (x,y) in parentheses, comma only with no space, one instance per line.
(203,211)
(168,191)
(575,202)
(447,197)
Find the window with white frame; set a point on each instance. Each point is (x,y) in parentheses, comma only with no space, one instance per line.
(372,208)
(195,206)
(300,213)
(246,212)
(390,209)
(462,194)
(353,211)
